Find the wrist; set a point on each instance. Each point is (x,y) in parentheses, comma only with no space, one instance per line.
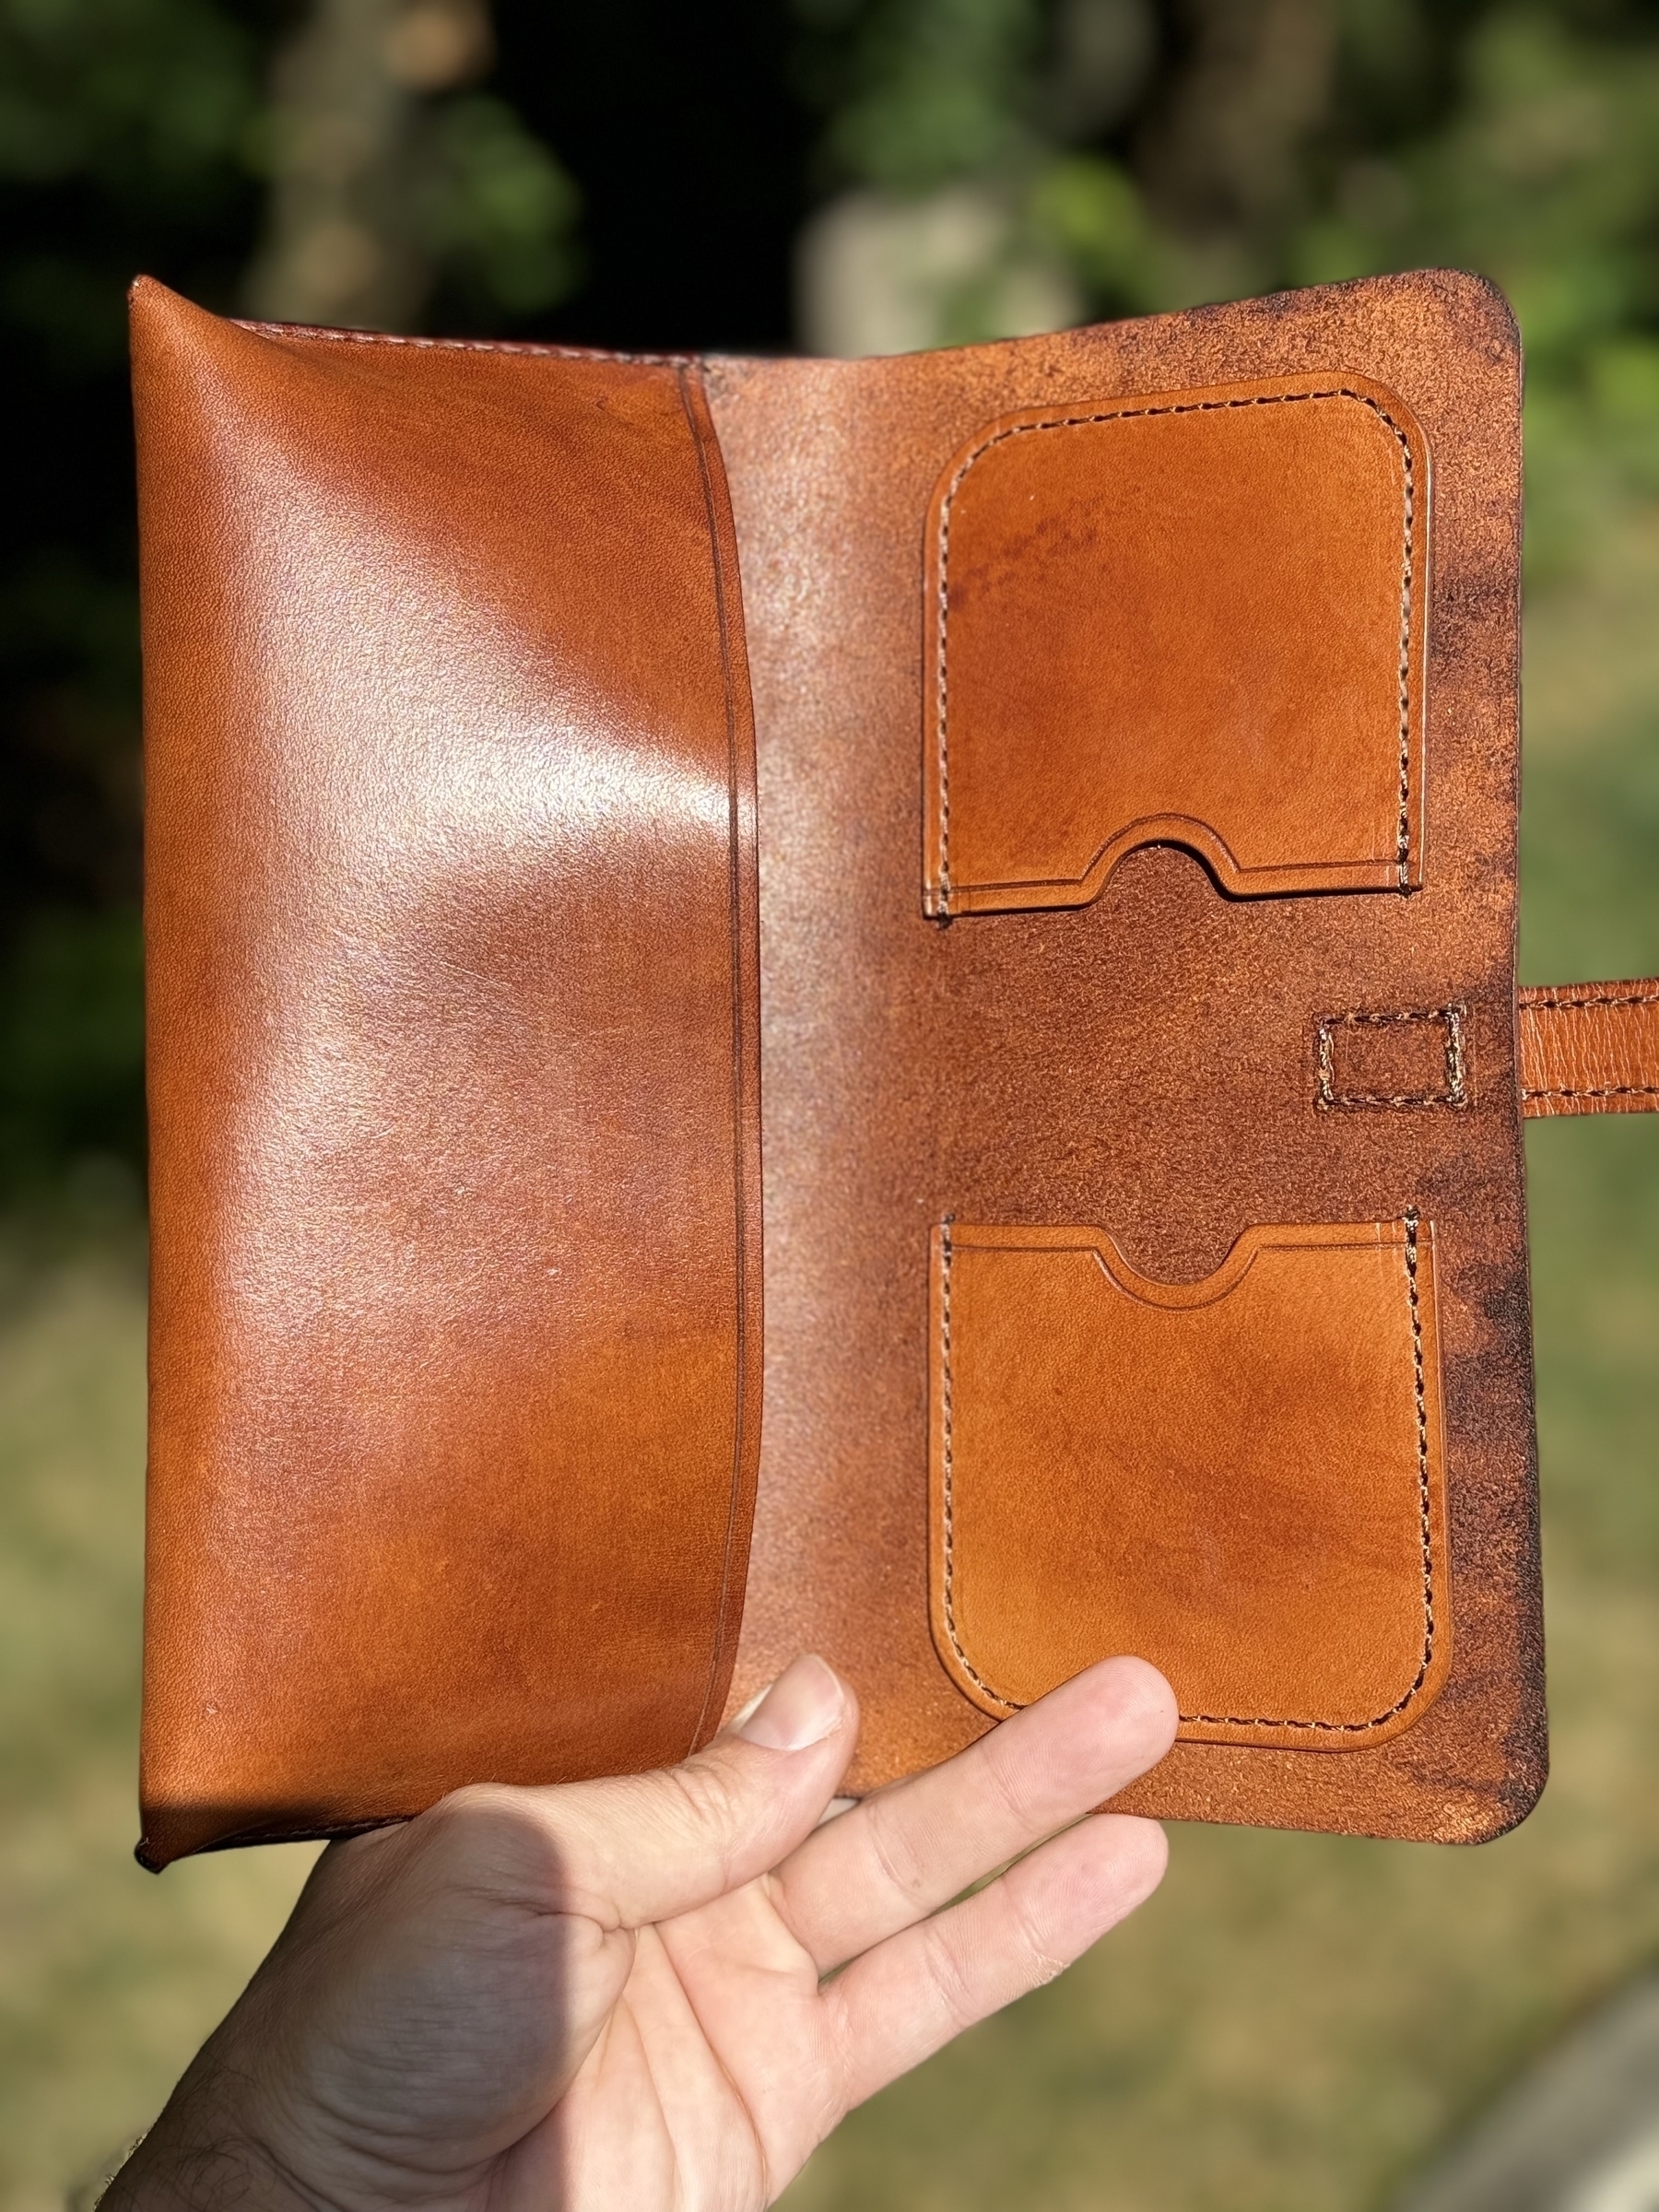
(200,2156)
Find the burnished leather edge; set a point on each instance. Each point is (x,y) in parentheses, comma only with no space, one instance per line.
(745,1030)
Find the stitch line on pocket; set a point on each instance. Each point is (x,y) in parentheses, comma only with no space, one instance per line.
(1134,414)
(1411,1224)
(949,1515)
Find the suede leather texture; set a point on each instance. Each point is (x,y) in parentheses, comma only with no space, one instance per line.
(1145,1063)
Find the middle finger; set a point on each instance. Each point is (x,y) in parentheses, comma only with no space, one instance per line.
(904,1853)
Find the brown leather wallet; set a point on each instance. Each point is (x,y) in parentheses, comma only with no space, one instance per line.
(1009,852)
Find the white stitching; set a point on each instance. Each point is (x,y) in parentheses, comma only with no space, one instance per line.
(1456,1092)
(389,337)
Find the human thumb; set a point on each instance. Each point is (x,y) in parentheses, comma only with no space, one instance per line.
(644,1847)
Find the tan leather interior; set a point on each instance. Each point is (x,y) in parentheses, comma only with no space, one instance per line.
(1219,598)
(1136,852)
(1240,1477)
(1145,1062)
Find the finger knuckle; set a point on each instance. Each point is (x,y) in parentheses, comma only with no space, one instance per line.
(708,1798)
(486,1832)
(900,1861)
(1007,1780)
(1042,1962)
(948,1971)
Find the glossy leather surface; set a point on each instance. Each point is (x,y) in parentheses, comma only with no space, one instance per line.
(453,1054)
(453,1035)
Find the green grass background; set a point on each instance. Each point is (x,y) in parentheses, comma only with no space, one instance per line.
(1294,2022)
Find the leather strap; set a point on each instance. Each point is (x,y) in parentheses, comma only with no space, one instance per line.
(1590,1048)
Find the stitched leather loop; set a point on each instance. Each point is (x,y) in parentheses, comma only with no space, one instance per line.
(1590,1048)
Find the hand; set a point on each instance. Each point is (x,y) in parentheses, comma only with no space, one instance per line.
(611,1994)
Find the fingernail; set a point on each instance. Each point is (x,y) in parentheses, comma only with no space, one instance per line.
(801,1708)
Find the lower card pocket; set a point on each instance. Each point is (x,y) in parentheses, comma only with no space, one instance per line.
(1240,1479)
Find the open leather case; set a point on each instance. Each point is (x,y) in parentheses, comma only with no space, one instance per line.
(1003,857)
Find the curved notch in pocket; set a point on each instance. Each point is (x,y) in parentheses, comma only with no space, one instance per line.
(1196,619)
(1240,1479)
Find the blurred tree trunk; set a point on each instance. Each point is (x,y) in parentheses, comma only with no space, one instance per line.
(343,242)
(1221,160)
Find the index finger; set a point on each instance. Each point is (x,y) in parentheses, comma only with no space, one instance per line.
(905,1851)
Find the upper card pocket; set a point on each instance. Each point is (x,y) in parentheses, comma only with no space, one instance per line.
(1191,618)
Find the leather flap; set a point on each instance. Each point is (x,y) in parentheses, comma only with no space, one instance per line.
(453,1072)
(1590,1048)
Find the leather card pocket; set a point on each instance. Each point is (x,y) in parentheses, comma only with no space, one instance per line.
(1240,1479)
(1194,618)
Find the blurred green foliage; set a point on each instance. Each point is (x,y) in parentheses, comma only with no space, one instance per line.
(71,1034)
(120,122)
(139,134)
(498,213)
(1165,155)
(142,106)
(925,92)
